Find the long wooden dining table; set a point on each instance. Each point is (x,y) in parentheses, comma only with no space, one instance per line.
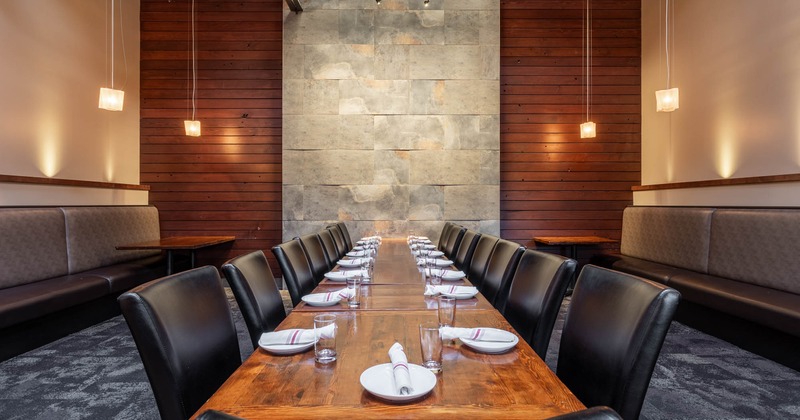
(515,384)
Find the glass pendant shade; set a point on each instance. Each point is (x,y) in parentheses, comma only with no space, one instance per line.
(667,100)
(588,130)
(111,99)
(192,128)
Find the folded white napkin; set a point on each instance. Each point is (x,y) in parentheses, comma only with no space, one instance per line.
(445,274)
(353,261)
(337,294)
(402,377)
(357,254)
(477,334)
(451,290)
(436,262)
(295,336)
(346,274)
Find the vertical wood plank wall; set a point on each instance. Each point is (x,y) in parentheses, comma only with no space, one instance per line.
(553,183)
(228,181)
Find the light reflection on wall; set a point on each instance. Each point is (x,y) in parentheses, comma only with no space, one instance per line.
(49,158)
(727,156)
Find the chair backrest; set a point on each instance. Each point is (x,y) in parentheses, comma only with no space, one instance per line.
(348,241)
(338,238)
(499,270)
(480,259)
(465,250)
(296,269)
(444,236)
(456,235)
(183,327)
(534,297)
(612,336)
(256,292)
(329,244)
(315,252)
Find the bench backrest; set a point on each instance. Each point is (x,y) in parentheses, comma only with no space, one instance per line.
(32,245)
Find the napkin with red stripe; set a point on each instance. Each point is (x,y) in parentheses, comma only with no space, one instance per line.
(295,336)
(338,294)
(450,290)
(402,377)
(477,334)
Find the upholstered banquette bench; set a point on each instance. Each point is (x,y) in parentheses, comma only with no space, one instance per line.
(737,269)
(58,259)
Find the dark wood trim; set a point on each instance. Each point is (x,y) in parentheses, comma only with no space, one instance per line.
(719,182)
(294,5)
(16,179)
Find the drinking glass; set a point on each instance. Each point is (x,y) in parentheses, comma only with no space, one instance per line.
(447,311)
(366,269)
(325,346)
(354,287)
(430,341)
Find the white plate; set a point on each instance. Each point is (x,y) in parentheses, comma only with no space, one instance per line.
(460,295)
(379,381)
(349,263)
(491,347)
(318,299)
(284,349)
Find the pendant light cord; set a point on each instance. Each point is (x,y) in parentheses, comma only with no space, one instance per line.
(666,40)
(112,44)
(194,66)
(587,56)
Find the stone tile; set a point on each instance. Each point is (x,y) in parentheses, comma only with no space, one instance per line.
(374,202)
(417,27)
(321,97)
(392,167)
(293,167)
(312,5)
(489,132)
(462,27)
(327,167)
(472,132)
(311,26)
(431,228)
(490,63)
(472,4)
(308,132)
(293,202)
(445,62)
(385,228)
(293,96)
(294,228)
(420,5)
(490,27)
(409,132)
(490,226)
(350,61)
(293,58)
(456,167)
(426,96)
(490,167)
(472,202)
(472,97)
(356,132)
(373,96)
(358,4)
(426,202)
(320,202)
(357,26)
(391,62)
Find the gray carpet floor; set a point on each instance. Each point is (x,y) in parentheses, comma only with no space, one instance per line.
(97,374)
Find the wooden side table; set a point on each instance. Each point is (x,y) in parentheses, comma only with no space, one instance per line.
(180,243)
(572,243)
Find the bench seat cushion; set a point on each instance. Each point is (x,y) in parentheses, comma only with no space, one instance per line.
(125,276)
(773,308)
(32,300)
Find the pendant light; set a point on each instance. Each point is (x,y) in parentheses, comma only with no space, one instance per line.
(667,100)
(192,126)
(588,128)
(112,99)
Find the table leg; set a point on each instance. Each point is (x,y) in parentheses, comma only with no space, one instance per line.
(169,261)
(191,259)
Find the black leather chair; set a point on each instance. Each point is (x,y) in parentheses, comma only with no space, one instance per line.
(256,292)
(534,297)
(612,336)
(348,241)
(329,244)
(594,413)
(480,259)
(499,270)
(183,327)
(338,239)
(444,236)
(296,269)
(463,255)
(454,239)
(315,252)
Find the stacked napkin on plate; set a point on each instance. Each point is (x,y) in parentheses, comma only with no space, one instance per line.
(343,293)
(450,290)
(295,336)
(477,334)
(445,274)
(402,377)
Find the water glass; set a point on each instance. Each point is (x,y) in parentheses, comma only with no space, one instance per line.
(354,290)
(430,341)
(435,276)
(325,346)
(447,311)
(366,269)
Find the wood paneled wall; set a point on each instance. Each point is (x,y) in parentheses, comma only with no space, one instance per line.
(228,181)
(553,183)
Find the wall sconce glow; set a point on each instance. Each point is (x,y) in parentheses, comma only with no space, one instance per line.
(667,100)
(192,128)
(726,156)
(111,99)
(588,130)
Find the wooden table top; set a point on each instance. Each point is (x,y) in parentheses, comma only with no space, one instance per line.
(573,240)
(180,242)
(515,384)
